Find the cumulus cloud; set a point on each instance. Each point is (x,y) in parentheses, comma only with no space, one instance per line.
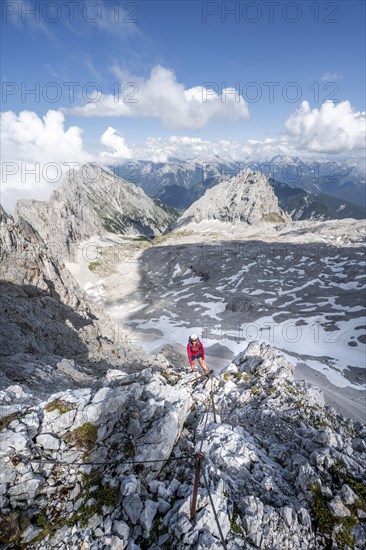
(162,96)
(36,152)
(113,140)
(334,128)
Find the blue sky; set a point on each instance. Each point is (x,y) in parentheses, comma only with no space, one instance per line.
(312,51)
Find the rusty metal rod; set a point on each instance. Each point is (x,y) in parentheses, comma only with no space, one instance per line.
(199,457)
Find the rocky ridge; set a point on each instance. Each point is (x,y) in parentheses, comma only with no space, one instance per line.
(52,337)
(92,202)
(344,180)
(283,471)
(245,198)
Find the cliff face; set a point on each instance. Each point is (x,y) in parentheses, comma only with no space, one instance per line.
(47,319)
(93,202)
(247,197)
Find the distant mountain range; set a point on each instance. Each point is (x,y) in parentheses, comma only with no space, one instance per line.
(323,190)
(302,205)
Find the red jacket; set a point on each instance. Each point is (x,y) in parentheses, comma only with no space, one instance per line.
(192,353)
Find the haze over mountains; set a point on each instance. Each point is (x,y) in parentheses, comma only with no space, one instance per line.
(180,183)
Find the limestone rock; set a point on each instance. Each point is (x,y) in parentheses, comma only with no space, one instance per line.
(337,508)
(246,198)
(92,201)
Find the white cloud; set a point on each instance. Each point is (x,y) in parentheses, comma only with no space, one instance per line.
(331,76)
(35,152)
(162,96)
(334,128)
(116,142)
(184,147)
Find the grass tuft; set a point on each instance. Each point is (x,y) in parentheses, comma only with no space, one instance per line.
(83,437)
(58,405)
(5,421)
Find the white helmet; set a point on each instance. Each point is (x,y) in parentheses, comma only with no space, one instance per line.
(193,337)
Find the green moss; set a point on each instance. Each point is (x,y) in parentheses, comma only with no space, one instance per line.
(233,522)
(325,521)
(344,538)
(256,390)
(93,266)
(58,405)
(92,489)
(49,528)
(129,448)
(41,520)
(340,476)
(237,375)
(5,421)
(171,377)
(358,487)
(83,437)
(101,495)
(319,423)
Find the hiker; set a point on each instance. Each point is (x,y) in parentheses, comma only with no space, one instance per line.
(195,351)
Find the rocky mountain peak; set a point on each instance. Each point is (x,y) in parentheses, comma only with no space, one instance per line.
(247,197)
(92,201)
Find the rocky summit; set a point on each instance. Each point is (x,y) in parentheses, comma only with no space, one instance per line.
(92,201)
(114,467)
(247,197)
